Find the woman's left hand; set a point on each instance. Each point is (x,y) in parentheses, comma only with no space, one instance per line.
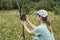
(23,22)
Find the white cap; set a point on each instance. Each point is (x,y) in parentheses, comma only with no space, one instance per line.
(42,13)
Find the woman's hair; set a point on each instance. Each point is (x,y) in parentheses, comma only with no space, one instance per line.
(46,20)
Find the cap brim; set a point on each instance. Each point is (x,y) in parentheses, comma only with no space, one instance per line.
(36,12)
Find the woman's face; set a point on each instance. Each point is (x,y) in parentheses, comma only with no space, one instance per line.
(39,18)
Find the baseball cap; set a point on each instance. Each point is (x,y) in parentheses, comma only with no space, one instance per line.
(42,13)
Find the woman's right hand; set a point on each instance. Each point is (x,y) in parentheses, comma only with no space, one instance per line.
(27,18)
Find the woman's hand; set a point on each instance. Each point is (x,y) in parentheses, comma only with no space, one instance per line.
(23,22)
(27,18)
(32,25)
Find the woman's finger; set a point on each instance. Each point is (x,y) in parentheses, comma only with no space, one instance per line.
(26,17)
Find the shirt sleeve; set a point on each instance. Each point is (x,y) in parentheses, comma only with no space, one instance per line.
(37,31)
(52,35)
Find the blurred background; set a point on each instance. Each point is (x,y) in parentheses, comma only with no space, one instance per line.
(10,26)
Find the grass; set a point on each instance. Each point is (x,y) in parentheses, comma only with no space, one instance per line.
(10,26)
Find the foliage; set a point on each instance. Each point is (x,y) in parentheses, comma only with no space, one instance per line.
(45,4)
(57,10)
(40,4)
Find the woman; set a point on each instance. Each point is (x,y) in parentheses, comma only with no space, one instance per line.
(43,31)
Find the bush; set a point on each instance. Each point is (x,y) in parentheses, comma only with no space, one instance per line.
(57,10)
(45,4)
(26,9)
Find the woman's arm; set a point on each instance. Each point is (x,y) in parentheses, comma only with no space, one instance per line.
(32,25)
(26,28)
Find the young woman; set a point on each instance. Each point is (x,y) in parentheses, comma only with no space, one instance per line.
(43,31)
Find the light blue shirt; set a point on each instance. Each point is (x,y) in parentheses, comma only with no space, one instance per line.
(43,33)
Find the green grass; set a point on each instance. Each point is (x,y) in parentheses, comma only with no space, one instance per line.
(10,26)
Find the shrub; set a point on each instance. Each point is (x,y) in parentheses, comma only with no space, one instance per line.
(57,10)
(45,4)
